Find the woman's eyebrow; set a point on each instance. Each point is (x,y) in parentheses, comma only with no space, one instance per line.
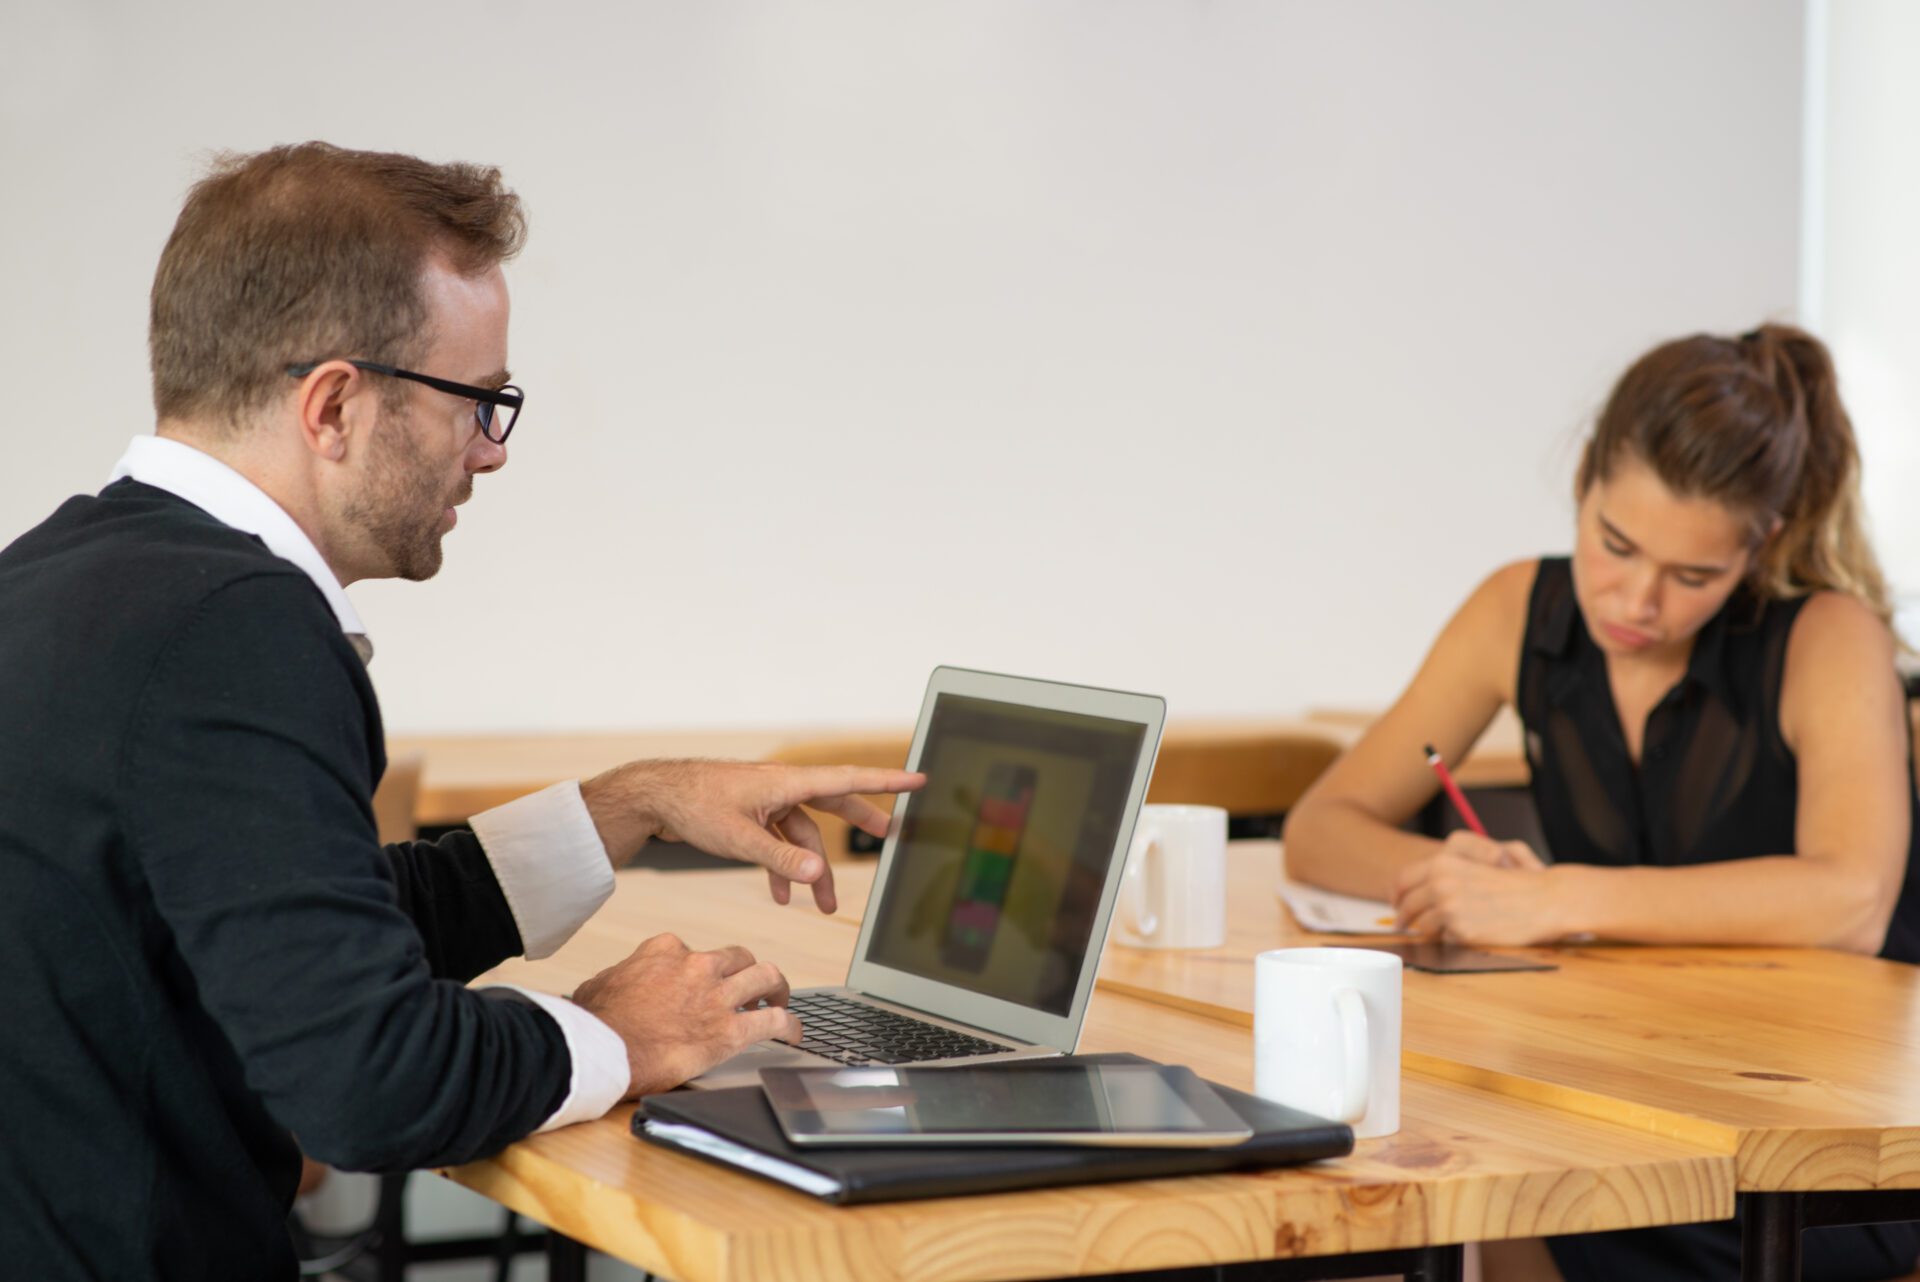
(1704,571)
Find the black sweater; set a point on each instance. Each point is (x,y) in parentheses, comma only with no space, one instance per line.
(204,951)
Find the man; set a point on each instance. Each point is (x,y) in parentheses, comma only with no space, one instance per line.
(209,963)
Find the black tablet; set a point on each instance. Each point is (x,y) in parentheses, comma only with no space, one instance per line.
(1441,958)
(1133,1105)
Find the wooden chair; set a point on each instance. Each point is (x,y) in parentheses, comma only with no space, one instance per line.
(397,798)
(1253,774)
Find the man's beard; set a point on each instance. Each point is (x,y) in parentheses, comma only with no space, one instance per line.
(402,507)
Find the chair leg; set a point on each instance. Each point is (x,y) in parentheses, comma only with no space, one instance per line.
(566,1258)
(390,1227)
(506,1248)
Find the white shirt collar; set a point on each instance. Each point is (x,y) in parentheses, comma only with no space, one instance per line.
(232,499)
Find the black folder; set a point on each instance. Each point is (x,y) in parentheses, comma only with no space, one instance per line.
(741,1119)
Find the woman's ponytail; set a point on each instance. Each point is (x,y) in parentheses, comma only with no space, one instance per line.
(1822,540)
(1756,424)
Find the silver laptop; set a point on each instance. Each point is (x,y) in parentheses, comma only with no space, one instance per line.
(995,886)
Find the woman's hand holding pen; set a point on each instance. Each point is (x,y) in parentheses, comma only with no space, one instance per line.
(1475,890)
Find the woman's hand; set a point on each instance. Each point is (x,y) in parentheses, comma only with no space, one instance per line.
(1479,891)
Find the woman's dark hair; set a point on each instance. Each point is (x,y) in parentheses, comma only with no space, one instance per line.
(1756,424)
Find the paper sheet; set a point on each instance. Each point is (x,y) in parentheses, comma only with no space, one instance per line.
(1336,914)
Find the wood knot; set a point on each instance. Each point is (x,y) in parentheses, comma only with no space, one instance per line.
(1291,1240)
(1774,1077)
(1414,1156)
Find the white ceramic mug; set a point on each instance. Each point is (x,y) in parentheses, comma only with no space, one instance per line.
(1326,1034)
(1174,894)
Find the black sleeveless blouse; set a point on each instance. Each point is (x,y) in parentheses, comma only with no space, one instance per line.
(1716,780)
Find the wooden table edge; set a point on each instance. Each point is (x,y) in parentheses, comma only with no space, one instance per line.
(602,1216)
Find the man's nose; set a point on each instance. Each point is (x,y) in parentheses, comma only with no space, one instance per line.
(487,455)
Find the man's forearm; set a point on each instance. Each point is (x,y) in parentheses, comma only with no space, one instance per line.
(623,803)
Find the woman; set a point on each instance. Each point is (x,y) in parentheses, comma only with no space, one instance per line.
(1716,731)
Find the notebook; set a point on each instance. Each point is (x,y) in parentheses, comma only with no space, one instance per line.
(736,1128)
(996,884)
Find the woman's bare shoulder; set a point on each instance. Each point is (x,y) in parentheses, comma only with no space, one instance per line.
(1499,605)
(1840,666)
(1481,643)
(1837,624)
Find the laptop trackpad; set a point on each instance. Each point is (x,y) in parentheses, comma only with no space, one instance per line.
(744,1069)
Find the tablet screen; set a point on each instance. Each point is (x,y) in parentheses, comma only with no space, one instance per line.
(1068,1103)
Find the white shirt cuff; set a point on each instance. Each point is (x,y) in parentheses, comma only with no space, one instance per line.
(601,1073)
(550,863)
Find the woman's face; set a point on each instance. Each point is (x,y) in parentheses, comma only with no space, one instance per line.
(1651,568)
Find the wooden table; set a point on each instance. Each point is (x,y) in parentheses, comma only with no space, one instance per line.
(1468,1164)
(1803,1064)
(465,774)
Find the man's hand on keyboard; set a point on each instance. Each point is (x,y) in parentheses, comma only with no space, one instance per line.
(681,1012)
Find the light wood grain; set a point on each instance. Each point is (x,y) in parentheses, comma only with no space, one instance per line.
(1467,1165)
(1802,1061)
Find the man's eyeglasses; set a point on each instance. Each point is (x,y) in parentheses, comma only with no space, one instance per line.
(488,401)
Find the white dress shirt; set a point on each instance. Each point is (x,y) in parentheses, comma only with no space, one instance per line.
(545,851)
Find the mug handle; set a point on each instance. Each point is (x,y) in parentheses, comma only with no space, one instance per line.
(1352,1010)
(1143,889)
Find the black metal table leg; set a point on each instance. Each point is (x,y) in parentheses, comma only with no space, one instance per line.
(1438,1264)
(389,1227)
(1770,1225)
(566,1258)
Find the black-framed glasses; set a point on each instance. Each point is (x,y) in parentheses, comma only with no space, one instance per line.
(487,401)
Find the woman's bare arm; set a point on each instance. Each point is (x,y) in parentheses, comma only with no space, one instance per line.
(1345,834)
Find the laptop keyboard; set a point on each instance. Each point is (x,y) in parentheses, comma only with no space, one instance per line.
(855,1033)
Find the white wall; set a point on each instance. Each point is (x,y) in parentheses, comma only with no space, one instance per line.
(1863,255)
(1210,347)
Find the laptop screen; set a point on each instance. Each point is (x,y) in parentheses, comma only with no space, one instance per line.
(1001,859)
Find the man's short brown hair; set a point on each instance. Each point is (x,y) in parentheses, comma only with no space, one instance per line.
(307,253)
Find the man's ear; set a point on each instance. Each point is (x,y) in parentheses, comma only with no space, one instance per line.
(335,405)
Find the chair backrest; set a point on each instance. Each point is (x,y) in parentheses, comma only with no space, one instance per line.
(1246,772)
(394,801)
(878,748)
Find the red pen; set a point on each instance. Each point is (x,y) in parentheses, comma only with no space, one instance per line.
(1454,794)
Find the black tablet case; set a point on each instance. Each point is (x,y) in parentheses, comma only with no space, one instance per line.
(1281,1137)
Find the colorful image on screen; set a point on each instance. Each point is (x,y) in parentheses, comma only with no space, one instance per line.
(987,866)
(1002,858)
